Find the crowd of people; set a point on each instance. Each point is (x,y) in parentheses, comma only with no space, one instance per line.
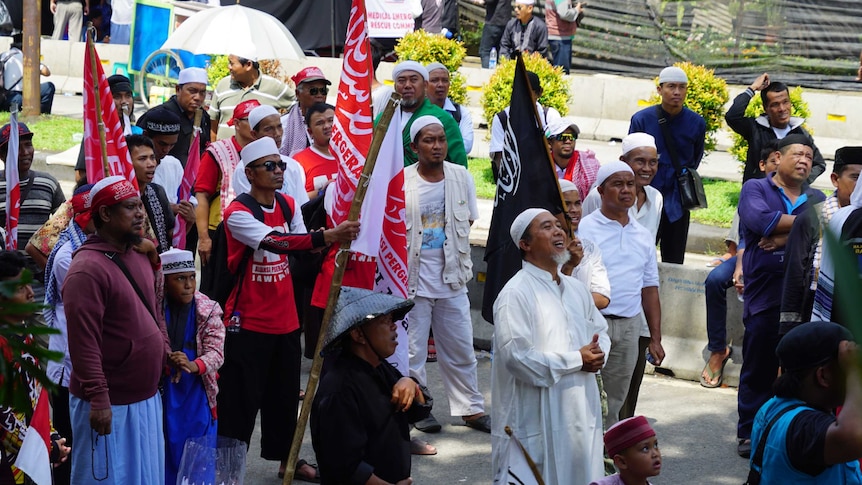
(150,360)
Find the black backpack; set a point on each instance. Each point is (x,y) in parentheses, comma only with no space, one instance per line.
(218,281)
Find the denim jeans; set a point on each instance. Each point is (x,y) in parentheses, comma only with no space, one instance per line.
(491,35)
(46,98)
(561,53)
(717,282)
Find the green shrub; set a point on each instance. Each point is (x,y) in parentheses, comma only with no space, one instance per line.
(425,48)
(706,96)
(497,94)
(799,107)
(217,70)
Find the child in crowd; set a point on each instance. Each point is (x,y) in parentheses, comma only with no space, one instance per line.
(633,446)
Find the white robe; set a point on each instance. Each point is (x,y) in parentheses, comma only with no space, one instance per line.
(537,386)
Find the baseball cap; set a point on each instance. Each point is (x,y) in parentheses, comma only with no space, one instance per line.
(242,110)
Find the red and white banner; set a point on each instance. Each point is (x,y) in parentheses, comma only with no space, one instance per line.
(34,458)
(185,190)
(119,160)
(13,184)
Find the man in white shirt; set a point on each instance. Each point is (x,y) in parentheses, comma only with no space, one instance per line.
(121,21)
(634,280)
(438,93)
(13,80)
(440,199)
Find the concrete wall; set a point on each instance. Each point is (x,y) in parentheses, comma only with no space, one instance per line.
(683,320)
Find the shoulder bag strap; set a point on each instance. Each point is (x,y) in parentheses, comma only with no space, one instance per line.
(668,141)
(25,191)
(119,262)
(757,459)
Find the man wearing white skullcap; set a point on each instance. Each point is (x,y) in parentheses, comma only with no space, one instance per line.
(438,94)
(245,82)
(525,33)
(634,280)
(263,352)
(440,202)
(411,81)
(679,142)
(549,341)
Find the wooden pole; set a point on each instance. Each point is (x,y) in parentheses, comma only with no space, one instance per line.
(30,47)
(335,288)
(97,97)
(533,468)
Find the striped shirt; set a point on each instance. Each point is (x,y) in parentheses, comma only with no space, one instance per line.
(228,93)
(43,198)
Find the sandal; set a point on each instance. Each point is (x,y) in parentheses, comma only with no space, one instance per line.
(482,423)
(419,447)
(305,478)
(432,350)
(716,376)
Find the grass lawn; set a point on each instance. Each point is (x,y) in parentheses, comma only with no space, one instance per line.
(52,133)
(480,168)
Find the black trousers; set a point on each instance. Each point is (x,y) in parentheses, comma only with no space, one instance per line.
(63,424)
(260,373)
(672,238)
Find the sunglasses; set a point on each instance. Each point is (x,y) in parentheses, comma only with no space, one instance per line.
(270,165)
(566,137)
(315,91)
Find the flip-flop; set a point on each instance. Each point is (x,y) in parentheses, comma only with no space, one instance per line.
(419,447)
(718,375)
(297,476)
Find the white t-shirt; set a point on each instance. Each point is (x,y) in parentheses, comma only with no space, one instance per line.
(432,206)
(497,130)
(13,72)
(121,11)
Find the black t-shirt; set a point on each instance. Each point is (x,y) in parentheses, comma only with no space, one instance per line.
(806,439)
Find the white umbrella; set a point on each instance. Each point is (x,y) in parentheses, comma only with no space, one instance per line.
(222,30)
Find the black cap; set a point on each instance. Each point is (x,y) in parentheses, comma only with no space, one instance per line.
(161,121)
(120,84)
(810,345)
(847,156)
(535,84)
(796,139)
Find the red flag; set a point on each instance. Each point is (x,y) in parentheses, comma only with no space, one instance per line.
(34,456)
(185,190)
(119,160)
(13,184)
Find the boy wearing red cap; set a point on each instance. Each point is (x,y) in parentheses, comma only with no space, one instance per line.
(633,446)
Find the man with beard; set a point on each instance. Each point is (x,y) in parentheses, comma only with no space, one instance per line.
(311,88)
(117,343)
(411,79)
(571,164)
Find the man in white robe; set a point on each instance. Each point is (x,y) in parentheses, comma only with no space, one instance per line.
(549,341)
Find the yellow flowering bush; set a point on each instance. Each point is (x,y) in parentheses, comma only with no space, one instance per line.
(706,96)
(799,107)
(425,48)
(497,94)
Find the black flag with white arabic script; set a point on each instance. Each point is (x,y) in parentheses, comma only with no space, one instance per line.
(526,179)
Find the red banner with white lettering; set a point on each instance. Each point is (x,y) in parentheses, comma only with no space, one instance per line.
(185,190)
(119,160)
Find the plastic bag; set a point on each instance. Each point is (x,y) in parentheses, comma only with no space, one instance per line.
(209,461)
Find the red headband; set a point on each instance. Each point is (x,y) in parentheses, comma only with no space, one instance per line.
(112,194)
(81,208)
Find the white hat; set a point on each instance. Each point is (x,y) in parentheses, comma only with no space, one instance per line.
(610,168)
(422,122)
(409,66)
(520,224)
(434,66)
(560,125)
(672,74)
(637,140)
(258,149)
(526,2)
(259,113)
(193,75)
(177,261)
(567,186)
(245,51)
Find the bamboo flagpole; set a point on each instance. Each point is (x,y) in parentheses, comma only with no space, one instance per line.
(97,97)
(335,288)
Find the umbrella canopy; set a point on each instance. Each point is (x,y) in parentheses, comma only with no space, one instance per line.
(223,30)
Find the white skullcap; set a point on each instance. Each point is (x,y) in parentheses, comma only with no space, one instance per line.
(560,125)
(637,140)
(567,186)
(259,113)
(258,149)
(526,2)
(409,66)
(520,224)
(422,122)
(177,261)
(610,168)
(245,51)
(193,75)
(672,74)
(434,66)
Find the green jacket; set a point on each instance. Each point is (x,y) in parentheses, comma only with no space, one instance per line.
(456,153)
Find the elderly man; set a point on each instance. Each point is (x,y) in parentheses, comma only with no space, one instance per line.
(262,349)
(360,415)
(585,263)
(311,88)
(549,341)
(214,189)
(767,209)
(679,133)
(160,221)
(805,441)
(438,94)
(244,82)
(411,79)
(187,103)
(318,160)
(774,124)
(634,281)
(525,33)
(116,410)
(440,199)
(571,164)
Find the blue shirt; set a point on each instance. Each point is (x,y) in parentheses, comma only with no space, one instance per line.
(761,205)
(687,130)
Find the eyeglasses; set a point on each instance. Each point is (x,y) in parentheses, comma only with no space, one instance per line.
(567,137)
(270,165)
(315,91)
